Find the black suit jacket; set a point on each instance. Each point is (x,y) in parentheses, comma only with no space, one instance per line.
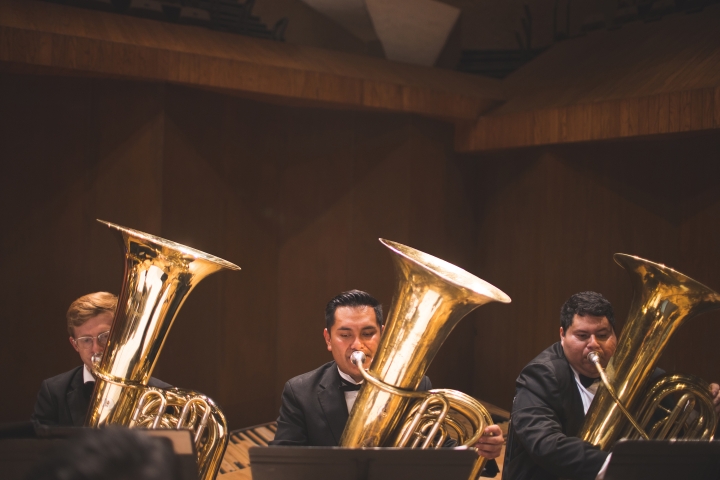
(546,416)
(313,410)
(63,400)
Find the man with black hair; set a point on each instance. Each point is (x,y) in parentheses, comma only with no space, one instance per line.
(553,394)
(316,405)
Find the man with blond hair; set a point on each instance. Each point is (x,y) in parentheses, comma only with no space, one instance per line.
(63,400)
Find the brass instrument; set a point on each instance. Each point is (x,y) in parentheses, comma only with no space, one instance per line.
(159,275)
(431,297)
(663,299)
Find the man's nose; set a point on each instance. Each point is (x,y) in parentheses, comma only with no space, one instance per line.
(593,342)
(97,348)
(357,343)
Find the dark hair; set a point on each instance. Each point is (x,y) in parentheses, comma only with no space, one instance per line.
(586,303)
(352,298)
(110,454)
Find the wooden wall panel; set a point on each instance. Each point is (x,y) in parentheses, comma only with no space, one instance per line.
(399,187)
(46,38)
(692,349)
(549,223)
(647,78)
(561,238)
(296,197)
(683,111)
(76,150)
(71,151)
(223,342)
(677,53)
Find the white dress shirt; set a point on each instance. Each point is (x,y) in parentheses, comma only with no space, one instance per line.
(350,396)
(587,395)
(87,376)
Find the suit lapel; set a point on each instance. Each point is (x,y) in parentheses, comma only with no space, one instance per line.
(332,401)
(576,416)
(574,407)
(77,401)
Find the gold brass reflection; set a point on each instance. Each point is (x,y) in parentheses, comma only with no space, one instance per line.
(159,276)
(663,299)
(431,297)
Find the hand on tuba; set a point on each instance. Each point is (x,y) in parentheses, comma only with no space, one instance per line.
(488,446)
(715,392)
(491,443)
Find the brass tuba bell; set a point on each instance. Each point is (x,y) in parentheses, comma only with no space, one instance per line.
(431,297)
(159,276)
(663,299)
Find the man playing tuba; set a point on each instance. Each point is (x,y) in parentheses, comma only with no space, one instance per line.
(63,400)
(553,394)
(315,405)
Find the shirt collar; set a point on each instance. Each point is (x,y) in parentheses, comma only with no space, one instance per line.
(592,388)
(348,378)
(87,376)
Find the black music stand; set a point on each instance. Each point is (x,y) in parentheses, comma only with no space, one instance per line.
(664,460)
(335,463)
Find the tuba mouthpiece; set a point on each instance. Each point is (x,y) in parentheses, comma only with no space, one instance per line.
(593,357)
(358,358)
(96,359)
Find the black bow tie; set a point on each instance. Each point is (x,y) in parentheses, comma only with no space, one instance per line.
(587,381)
(346,386)
(88,389)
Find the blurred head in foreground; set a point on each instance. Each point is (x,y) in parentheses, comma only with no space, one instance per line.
(110,454)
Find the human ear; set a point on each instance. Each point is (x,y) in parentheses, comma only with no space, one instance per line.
(326,334)
(73,344)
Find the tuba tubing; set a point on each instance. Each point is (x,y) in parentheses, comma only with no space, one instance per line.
(159,276)
(431,297)
(594,358)
(663,300)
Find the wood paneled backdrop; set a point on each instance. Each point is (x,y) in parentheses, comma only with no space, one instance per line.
(295,185)
(298,197)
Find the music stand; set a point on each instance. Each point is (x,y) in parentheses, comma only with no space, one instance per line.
(335,463)
(664,460)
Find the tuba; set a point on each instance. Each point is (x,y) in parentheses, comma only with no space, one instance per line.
(663,299)
(159,276)
(431,297)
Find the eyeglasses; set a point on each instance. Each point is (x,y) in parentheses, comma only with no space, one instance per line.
(86,343)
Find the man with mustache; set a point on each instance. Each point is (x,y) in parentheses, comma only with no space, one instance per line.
(553,394)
